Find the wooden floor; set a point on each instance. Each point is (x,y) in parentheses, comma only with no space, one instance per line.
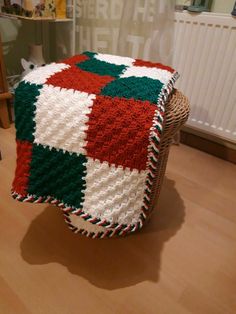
(183,261)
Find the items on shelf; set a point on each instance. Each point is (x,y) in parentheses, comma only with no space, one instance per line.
(35,8)
(200,6)
(60,9)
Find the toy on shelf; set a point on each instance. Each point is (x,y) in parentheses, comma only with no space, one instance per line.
(49,9)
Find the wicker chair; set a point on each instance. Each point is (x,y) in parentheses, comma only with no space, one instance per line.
(177,111)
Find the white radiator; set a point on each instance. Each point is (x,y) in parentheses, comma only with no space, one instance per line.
(205,57)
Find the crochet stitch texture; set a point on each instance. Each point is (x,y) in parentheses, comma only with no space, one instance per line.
(88,133)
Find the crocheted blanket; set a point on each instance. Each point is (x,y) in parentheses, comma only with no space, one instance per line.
(88,134)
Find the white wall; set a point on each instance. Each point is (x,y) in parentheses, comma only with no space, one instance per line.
(223,6)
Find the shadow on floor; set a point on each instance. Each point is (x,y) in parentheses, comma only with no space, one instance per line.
(111,263)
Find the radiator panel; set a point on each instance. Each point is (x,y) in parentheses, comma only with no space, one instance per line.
(205,57)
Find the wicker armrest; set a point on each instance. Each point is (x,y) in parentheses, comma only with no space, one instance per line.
(177,111)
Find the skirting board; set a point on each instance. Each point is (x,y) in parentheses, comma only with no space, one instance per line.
(219,148)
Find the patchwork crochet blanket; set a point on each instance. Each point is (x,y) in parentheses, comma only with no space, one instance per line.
(88,133)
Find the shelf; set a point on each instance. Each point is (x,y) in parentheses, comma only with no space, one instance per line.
(62,20)
(49,19)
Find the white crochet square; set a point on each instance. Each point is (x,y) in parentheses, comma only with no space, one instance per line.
(64,125)
(40,75)
(114,59)
(140,71)
(113,193)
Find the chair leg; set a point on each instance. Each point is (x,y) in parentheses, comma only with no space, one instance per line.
(4,115)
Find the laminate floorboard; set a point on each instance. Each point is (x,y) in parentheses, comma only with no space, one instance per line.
(182,262)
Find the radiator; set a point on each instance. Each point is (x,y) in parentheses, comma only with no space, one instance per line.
(205,57)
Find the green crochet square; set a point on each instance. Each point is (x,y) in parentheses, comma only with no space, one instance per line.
(101,67)
(58,174)
(24,105)
(89,54)
(139,88)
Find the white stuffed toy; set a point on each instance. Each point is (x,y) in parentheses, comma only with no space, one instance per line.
(28,66)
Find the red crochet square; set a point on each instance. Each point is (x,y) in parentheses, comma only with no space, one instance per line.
(75,59)
(77,79)
(150,64)
(118,131)
(24,157)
